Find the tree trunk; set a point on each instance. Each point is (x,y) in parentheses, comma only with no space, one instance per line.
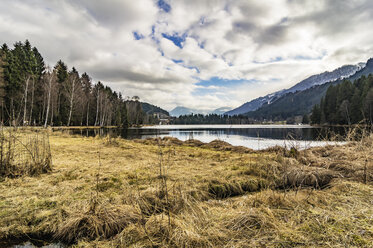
(49,99)
(32,100)
(52,114)
(71,101)
(87,115)
(12,121)
(25,96)
(41,118)
(98,99)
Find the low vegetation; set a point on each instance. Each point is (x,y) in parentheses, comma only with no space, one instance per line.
(26,153)
(108,192)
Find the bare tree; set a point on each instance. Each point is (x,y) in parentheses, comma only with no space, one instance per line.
(70,88)
(32,99)
(50,77)
(97,105)
(28,77)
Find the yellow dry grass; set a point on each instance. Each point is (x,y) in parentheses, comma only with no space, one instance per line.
(114,193)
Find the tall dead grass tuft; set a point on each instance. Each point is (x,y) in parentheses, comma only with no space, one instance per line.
(352,161)
(223,189)
(305,178)
(100,222)
(24,154)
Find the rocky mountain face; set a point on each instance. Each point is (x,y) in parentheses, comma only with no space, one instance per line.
(319,79)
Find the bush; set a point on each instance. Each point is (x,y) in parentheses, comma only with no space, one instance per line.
(24,153)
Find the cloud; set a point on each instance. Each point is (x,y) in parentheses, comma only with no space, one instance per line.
(161,50)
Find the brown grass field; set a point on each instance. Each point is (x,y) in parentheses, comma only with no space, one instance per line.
(105,192)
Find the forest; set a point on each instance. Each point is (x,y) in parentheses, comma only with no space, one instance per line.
(211,119)
(346,103)
(34,94)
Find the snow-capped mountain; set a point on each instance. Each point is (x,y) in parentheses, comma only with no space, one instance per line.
(322,78)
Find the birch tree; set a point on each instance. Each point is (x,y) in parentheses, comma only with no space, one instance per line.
(70,88)
(49,77)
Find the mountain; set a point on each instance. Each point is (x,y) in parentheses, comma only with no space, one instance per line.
(220,111)
(152,109)
(301,102)
(180,110)
(322,78)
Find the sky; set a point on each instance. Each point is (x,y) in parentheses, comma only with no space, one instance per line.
(201,54)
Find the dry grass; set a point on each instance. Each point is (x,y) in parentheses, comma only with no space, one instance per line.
(24,153)
(217,195)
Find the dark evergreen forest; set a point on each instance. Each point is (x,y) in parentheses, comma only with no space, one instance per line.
(346,103)
(34,94)
(211,119)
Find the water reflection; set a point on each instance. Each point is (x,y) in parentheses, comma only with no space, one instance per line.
(252,136)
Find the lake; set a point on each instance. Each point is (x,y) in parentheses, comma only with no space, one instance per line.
(252,136)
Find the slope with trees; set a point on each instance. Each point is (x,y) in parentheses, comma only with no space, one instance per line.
(346,103)
(300,103)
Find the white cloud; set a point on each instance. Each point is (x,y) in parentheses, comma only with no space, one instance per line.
(275,43)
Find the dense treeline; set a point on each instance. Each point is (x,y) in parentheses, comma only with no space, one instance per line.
(211,119)
(32,93)
(346,103)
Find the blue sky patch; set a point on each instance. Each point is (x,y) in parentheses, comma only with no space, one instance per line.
(204,91)
(175,38)
(137,35)
(178,61)
(181,62)
(163,5)
(215,81)
(277,59)
(302,57)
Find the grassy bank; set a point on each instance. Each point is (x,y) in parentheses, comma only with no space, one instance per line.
(168,193)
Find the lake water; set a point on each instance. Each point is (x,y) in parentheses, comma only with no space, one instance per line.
(251,136)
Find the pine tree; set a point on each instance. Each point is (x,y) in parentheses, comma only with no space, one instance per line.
(305,119)
(356,107)
(316,114)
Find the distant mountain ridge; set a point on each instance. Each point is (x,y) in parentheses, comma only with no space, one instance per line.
(319,79)
(220,111)
(152,109)
(180,110)
(299,103)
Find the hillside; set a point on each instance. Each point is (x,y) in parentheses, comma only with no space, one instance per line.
(339,73)
(179,110)
(152,109)
(220,111)
(292,104)
(301,102)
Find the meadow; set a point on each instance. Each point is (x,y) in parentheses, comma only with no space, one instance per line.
(111,192)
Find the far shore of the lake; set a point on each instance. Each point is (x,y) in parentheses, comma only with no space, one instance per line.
(167,125)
